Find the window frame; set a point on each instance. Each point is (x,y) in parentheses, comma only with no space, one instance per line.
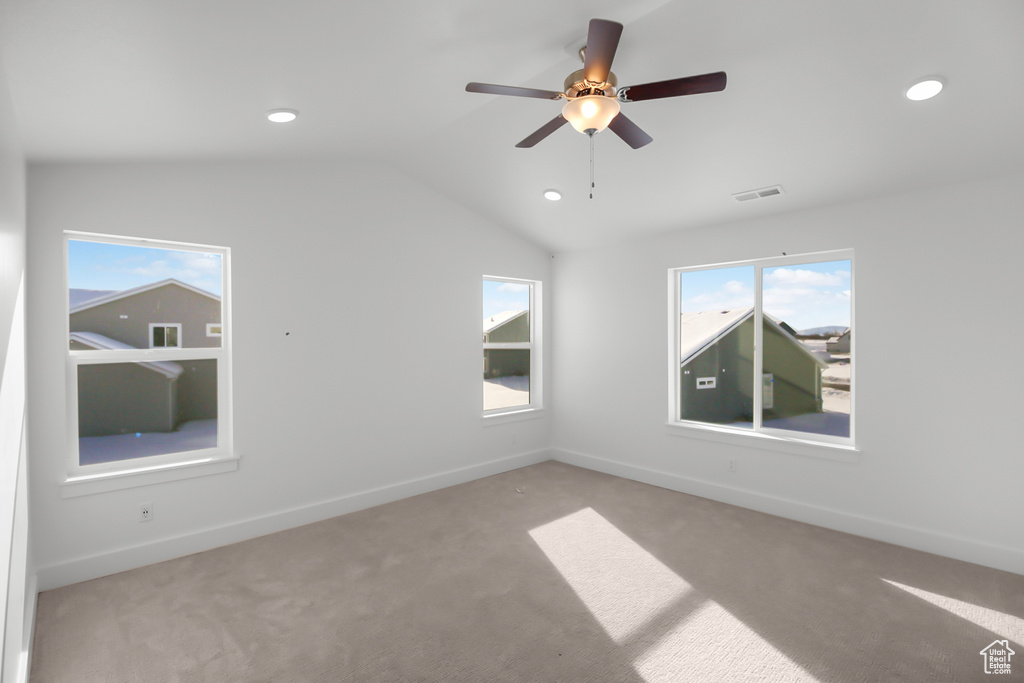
(757,432)
(85,479)
(534,346)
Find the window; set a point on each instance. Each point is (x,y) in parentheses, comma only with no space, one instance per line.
(146,394)
(511,345)
(765,346)
(164,335)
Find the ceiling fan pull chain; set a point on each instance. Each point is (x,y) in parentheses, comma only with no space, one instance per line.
(591,135)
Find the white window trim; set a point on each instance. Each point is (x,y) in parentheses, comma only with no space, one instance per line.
(209,326)
(535,346)
(793,441)
(100,477)
(153,326)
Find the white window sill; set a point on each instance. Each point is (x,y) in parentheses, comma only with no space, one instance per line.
(87,484)
(512,416)
(751,439)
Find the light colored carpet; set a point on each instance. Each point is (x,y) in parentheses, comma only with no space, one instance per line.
(547,573)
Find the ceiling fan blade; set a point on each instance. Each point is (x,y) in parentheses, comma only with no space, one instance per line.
(542,132)
(691,85)
(602,41)
(634,136)
(489,89)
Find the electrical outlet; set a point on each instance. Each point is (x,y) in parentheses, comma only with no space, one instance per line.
(145,512)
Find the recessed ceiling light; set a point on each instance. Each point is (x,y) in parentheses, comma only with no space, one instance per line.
(282,115)
(552,195)
(924,89)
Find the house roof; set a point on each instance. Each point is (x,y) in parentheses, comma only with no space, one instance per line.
(78,297)
(999,645)
(125,293)
(497,320)
(101,342)
(699,330)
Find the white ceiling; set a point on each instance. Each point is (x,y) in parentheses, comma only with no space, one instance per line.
(814,100)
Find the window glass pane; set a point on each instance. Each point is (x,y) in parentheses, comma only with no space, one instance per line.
(806,361)
(506,312)
(116,291)
(716,340)
(158,337)
(506,378)
(132,410)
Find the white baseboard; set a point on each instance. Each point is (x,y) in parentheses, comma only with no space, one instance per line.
(21,675)
(25,660)
(997,557)
(122,559)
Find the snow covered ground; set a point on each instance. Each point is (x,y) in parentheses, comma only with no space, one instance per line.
(190,436)
(834,424)
(506,392)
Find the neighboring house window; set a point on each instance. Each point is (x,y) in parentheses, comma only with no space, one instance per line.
(164,335)
(766,346)
(145,393)
(511,345)
(213,330)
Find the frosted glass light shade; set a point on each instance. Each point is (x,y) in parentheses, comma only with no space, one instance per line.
(590,112)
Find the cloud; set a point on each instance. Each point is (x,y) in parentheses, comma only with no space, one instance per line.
(785,277)
(733,294)
(734,287)
(513,287)
(199,269)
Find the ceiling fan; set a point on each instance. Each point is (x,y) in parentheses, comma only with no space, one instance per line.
(592,96)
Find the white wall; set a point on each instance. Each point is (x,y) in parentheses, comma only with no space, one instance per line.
(17,600)
(356,297)
(939,395)
(347,410)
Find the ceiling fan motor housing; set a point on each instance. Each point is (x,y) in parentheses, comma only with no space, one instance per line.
(576,85)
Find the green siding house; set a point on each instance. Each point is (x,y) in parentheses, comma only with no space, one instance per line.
(502,328)
(717,369)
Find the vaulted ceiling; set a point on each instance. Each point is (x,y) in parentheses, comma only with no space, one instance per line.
(814,99)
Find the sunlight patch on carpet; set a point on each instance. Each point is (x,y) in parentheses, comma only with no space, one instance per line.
(1005,625)
(672,630)
(713,645)
(622,585)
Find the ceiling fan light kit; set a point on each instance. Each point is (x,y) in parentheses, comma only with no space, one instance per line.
(592,96)
(590,114)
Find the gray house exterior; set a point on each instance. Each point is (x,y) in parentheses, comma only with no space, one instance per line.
(717,367)
(156,396)
(840,344)
(126,316)
(506,327)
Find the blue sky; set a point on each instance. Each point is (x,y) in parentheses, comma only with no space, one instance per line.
(804,296)
(505,296)
(97,265)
